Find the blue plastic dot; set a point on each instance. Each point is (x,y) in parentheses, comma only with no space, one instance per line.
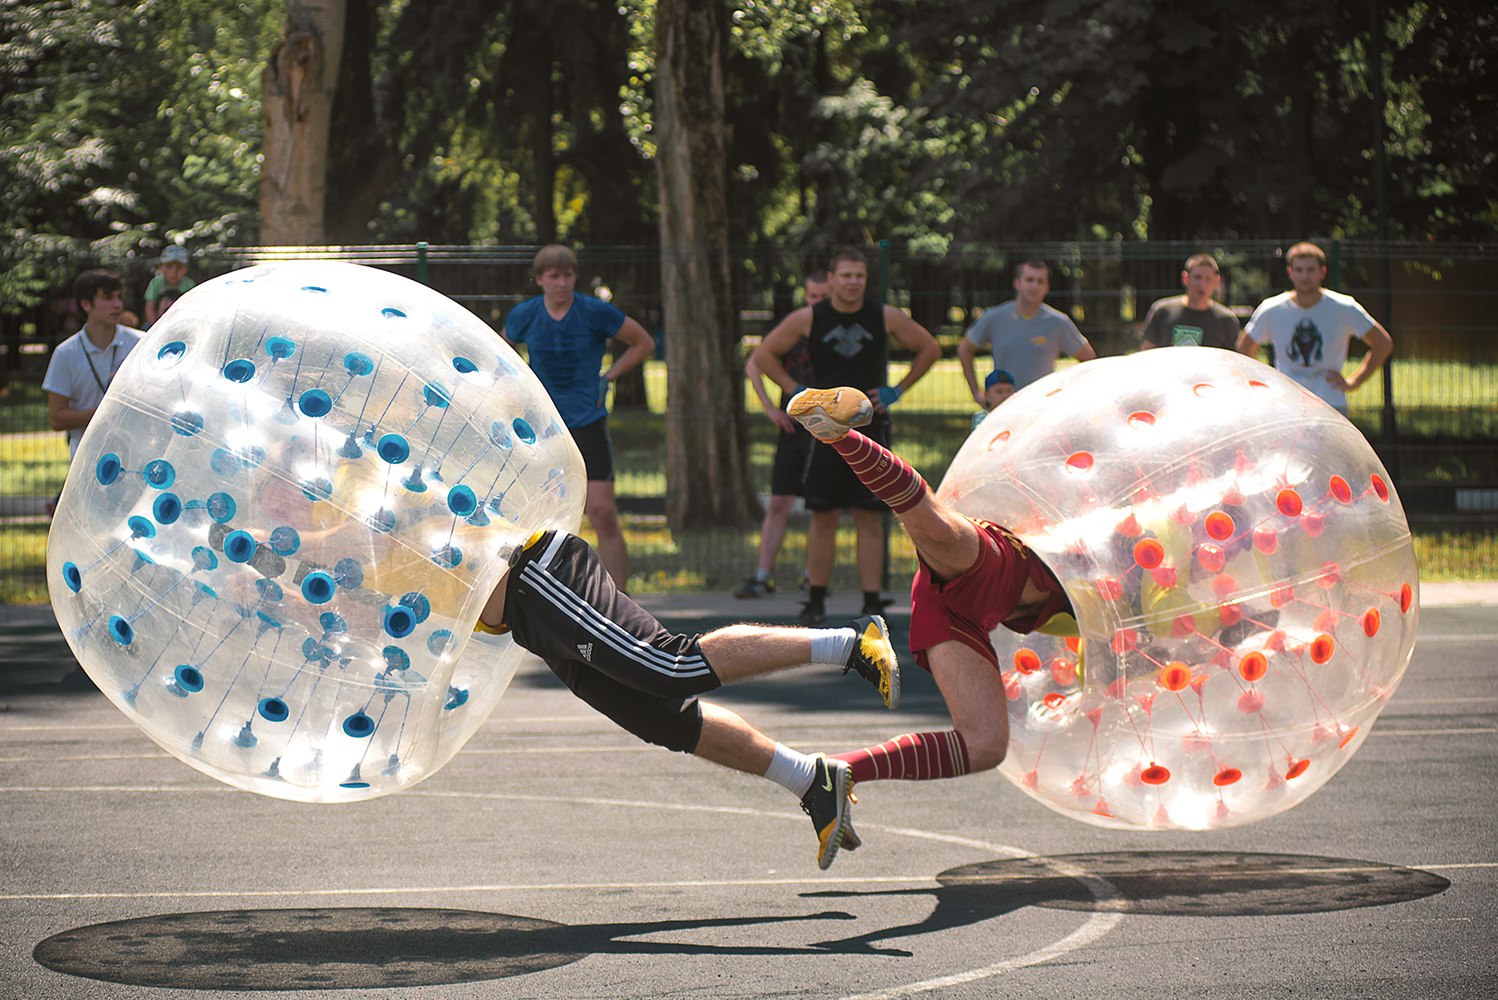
(524,431)
(159,473)
(239,546)
(358,364)
(246,737)
(438,640)
(499,434)
(188,678)
(318,588)
(418,604)
(284,540)
(436,395)
(171,353)
(108,468)
(448,557)
(478,519)
(463,365)
(332,623)
(350,448)
(318,489)
(400,621)
(273,710)
(239,370)
(312,649)
(414,483)
(120,630)
(358,725)
(140,527)
(204,558)
(269,590)
(72,577)
(224,462)
(187,422)
(382,520)
(315,288)
(167,508)
(348,573)
(393,449)
(251,457)
(390,312)
(280,348)
(268,620)
(206,591)
(461,501)
(221,507)
(396,658)
(456,697)
(496,502)
(315,403)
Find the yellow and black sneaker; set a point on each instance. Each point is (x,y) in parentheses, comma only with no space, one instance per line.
(874,658)
(829,803)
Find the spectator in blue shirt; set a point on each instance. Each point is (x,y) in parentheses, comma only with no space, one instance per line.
(567,334)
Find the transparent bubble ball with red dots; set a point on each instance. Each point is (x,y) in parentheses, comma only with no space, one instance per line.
(1242,574)
(285,517)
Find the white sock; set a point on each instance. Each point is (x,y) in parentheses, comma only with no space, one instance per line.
(761,575)
(833,645)
(792,770)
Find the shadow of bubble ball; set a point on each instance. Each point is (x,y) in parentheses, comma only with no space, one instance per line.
(1243,578)
(285,516)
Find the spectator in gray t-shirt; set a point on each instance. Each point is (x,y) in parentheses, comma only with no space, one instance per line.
(1025,335)
(1195,318)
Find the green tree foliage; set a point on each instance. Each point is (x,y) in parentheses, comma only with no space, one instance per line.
(124,126)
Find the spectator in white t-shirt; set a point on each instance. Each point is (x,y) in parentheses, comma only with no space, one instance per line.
(83,365)
(1024,335)
(1310,328)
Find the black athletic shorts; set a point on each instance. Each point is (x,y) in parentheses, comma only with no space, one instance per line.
(831,485)
(792,451)
(562,605)
(598,450)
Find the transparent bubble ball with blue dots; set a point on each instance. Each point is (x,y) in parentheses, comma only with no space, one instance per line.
(285,517)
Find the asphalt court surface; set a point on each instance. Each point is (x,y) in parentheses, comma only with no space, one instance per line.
(557,857)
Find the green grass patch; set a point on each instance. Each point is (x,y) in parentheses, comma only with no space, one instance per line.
(33,464)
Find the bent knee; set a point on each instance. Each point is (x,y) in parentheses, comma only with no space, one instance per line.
(984,751)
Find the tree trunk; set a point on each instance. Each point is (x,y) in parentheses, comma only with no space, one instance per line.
(299,84)
(706,456)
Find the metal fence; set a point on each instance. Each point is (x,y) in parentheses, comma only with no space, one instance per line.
(1432,414)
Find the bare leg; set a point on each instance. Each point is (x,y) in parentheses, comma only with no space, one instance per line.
(730,741)
(738,652)
(772,532)
(975,699)
(870,527)
(603,514)
(821,546)
(947,541)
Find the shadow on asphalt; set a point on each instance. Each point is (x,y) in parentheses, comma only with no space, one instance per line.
(360,948)
(1150,883)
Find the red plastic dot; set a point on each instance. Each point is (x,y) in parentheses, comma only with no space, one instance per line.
(1220,525)
(1229,615)
(1340,489)
(1250,702)
(1406,598)
(1063,672)
(1380,487)
(1204,388)
(1313,523)
(1211,557)
(1026,661)
(1080,461)
(1164,577)
(1174,676)
(1054,701)
(1322,648)
(1124,640)
(1129,527)
(1281,596)
(1227,776)
(1371,621)
(1253,667)
(1055,391)
(1141,418)
(1109,589)
(1266,540)
(1183,626)
(1288,501)
(1073,643)
(1012,688)
(1154,775)
(1223,584)
(1331,575)
(1254,383)
(1348,738)
(1297,769)
(1149,553)
(998,439)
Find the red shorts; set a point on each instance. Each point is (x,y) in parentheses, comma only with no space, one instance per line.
(970,606)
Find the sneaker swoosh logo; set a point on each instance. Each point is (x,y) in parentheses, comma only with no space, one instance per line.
(827,782)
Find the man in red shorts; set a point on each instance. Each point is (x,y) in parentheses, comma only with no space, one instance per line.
(973,577)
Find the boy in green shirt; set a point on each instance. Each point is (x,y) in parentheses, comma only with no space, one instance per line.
(172,273)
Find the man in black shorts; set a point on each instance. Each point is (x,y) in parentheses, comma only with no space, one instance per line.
(849,336)
(559,602)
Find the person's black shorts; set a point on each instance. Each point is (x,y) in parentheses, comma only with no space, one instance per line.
(792,451)
(831,485)
(598,450)
(562,605)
